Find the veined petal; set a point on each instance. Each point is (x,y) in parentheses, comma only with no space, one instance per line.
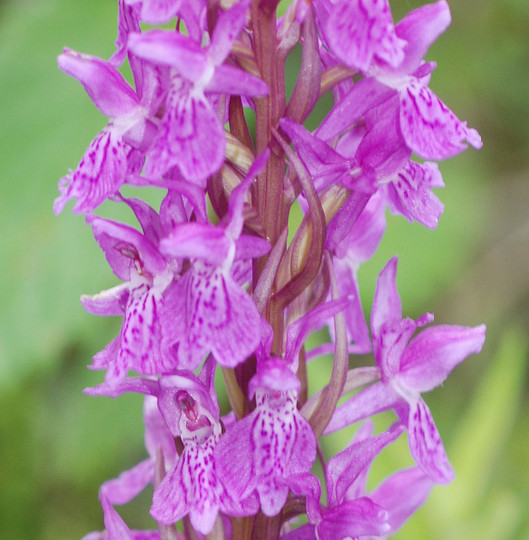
(358,30)
(101,172)
(389,344)
(431,356)
(170,498)
(109,302)
(411,194)
(234,452)
(141,334)
(283,443)
(104,84)
(220,317)
(191,487)
(140,347)
(190,137)
(127,23)
(425,442)
(429,127)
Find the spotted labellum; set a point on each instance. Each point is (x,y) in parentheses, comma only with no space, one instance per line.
(221,286)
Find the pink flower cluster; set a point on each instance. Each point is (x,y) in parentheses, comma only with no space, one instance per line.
(210,281)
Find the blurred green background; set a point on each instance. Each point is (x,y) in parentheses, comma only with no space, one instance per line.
(57,445)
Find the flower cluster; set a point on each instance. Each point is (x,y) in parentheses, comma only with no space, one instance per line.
(210,282)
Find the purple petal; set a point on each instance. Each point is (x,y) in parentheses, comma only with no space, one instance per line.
(104,84)
(129,484)
(141,336)
(198,241)
(310,322)
(170,497)
(191,487)
(157,434)
(107,356)
(101,172)
(114,524)
(358,30)
(221,318)
(127,23)
(354,316)
(128,252)
(323,163)
(345,468)
(137,385)
(171,49)
(374,399)
(236,202)
(305,532)
(273,374)
(389,344)
(363,96)
(190,137)
(234,81)
(107,303)
(156,11)
(402,494)
(147,218)
(386,304)
(412,196)
(352,519)
(420,28)
(366,234)
(426,446)
(234,452)
(250,247)
(433,354)
(283,444)
(307,484)
(383,148)
(429,127)
(228,27)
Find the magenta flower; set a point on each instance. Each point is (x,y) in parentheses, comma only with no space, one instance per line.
(190,136)
(428,126)
(220,274)
(118,150)
(275,443)
(135,259)
(408,370)
(213,312)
